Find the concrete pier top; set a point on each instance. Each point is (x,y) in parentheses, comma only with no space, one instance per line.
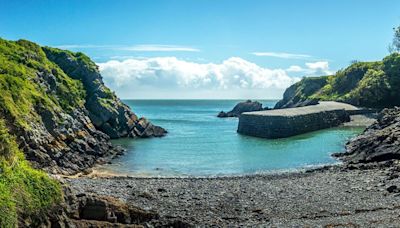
(323,106)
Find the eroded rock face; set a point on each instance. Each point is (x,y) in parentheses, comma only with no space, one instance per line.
(106,111)
(247,106)
(66,143)
(60,111)
(379,142)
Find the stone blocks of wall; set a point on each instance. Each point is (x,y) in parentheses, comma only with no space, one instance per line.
(275,126)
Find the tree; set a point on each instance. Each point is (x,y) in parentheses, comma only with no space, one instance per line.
(395,45)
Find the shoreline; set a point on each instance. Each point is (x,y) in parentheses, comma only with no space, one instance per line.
(95,173)
(326,196)
(330,195)
(98,171)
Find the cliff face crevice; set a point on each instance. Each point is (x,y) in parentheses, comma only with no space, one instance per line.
(56,105)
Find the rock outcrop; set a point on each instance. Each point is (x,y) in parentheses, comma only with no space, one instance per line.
(56,105)
(106,209)
(91,210)
(246,106)
(297,95)
(106,111)
(379,142)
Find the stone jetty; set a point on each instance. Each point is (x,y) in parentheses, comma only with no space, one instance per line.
(281,123)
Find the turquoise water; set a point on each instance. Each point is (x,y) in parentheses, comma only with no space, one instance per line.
(200,144)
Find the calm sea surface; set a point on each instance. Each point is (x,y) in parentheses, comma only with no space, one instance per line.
(200,144)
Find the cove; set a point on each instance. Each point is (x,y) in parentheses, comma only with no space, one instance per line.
(200,144)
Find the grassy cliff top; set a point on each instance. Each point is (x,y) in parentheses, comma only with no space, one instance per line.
(367,84)
(30,85)
(22,63)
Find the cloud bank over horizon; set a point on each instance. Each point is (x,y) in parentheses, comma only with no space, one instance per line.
(173,78)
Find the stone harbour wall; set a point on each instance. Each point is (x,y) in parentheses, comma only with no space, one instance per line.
(275,126)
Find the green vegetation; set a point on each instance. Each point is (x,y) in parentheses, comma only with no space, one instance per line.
(22,63)
(81,67)
(23,190)
(368,84)
(30,83)
(309,86)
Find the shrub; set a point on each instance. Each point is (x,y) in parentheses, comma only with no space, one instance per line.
(24,191)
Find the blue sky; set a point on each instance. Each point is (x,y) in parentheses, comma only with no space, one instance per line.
(181,48)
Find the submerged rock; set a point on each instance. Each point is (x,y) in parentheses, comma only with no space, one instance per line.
(247,106)
(379,142)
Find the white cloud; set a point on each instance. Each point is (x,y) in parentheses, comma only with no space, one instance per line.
(172,74)
(134,48)
(282,55)
(311,68)
(320,67)
(295,68)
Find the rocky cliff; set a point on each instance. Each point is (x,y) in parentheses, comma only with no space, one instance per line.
(379,142)
(105,109)
(297,95)
(56,105)
(366,84)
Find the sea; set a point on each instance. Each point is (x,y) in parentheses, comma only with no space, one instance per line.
(199,144)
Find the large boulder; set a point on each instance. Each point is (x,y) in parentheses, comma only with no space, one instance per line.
(92,210)
(379,142)
(103,208)
(246,106)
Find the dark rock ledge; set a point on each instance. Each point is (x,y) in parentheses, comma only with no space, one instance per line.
(246,106)
(379,142)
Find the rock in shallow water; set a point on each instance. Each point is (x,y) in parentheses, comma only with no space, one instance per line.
(247,106)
